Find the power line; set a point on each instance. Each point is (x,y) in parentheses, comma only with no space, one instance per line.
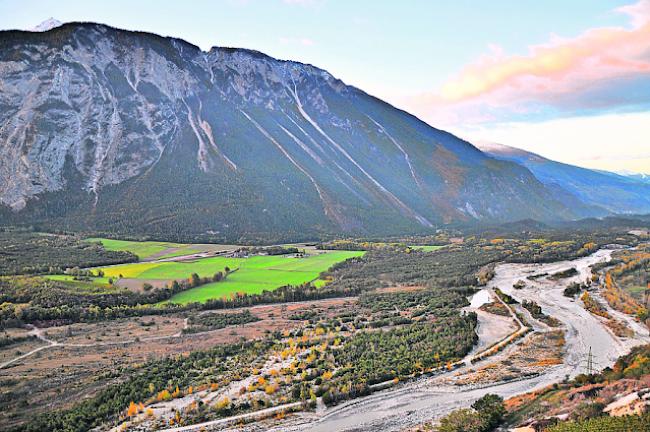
(589,363)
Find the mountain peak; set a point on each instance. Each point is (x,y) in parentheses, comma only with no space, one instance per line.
(152,121)
(46,25)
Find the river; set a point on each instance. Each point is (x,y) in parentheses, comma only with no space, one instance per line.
(413,402)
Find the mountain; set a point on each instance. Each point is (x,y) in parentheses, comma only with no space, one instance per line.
(613,192)
(132,133)
(46,25)
(645,178)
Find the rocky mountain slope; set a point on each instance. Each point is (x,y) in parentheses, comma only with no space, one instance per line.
(613,192)
(130,132)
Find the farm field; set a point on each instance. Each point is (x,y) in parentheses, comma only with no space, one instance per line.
(100,281)
(144,249)
(150,250)
(426,248)
(249,275)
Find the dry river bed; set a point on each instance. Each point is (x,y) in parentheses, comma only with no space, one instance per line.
(414,402)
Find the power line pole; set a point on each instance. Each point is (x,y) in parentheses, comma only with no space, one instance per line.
(646,295)
(590,363)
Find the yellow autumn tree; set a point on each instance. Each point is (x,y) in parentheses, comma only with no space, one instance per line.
(133,409)
(222,403)
(163,395)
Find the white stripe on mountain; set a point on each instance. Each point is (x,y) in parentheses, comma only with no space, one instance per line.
(292,160)
(398,145)
(389,194)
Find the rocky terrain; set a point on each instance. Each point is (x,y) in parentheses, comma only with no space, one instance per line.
(120,131)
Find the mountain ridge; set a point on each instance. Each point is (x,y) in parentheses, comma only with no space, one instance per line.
(614,192)
(121,131)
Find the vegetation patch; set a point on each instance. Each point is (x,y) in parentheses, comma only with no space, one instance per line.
(145,249)
(32,253)
(214,321)
(599,424)
(496,308)
(536,312)
(563,274)
(252,276)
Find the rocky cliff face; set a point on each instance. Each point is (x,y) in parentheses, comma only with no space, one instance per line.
(131,132)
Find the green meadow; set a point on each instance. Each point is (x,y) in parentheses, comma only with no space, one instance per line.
(249,275)
(101,281)
(426,248)
(99,284)
(146,249)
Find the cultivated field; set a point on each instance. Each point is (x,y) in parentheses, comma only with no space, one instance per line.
(154,250)
(426,248)
(248,275)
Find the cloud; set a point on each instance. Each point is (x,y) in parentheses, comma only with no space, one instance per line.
(604,68)
(560,65)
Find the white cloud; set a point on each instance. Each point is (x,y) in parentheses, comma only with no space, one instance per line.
(604,69)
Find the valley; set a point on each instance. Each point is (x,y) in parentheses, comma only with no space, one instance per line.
(196,236)
(413,403)
(328,352)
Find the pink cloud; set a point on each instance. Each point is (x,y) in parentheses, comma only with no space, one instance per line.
(562,73)
(563,64)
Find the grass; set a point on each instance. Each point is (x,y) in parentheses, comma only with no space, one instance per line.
(100,281)
(252,275)
(130,271)
(636,291)
(96,285)
(426,248)
(145,249)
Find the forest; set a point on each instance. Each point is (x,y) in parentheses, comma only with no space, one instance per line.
(24,252)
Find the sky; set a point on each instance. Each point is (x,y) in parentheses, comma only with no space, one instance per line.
(568,79)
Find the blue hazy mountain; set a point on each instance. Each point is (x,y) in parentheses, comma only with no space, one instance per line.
(612,192)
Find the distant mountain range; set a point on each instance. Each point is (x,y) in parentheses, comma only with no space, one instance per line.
(645,178)
(132,133)
(612,192)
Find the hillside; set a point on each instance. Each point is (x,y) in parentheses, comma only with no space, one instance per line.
(613,192)
(132,133)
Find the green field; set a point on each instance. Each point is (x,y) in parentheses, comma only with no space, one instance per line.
(97,285)
(146,249)
(426,248)
(101,281)
(251,275)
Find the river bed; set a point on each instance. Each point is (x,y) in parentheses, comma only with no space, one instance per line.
(414,402)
